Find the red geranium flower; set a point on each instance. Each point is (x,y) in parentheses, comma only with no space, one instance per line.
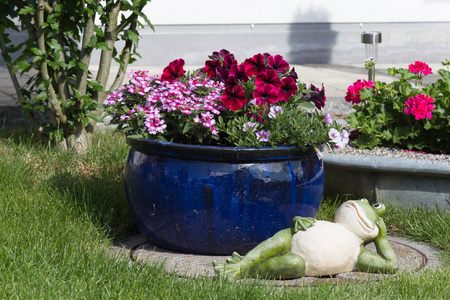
(278,63)
(268,77)
(418,67)
(266,93)
(420,106)
(288,88)
(174,70)
(234,98)
(254,65)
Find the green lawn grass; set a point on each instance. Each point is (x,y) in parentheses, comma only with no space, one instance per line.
(60,212)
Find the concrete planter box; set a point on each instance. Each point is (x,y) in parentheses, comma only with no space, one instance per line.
(401,181)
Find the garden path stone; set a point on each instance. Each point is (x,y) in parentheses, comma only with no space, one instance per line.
(413,257)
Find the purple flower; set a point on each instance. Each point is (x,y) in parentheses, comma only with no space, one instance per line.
(274,111)
(263,136)
(328,119)
(334,135)
(249,126)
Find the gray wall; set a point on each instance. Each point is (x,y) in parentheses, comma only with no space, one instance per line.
(301,43)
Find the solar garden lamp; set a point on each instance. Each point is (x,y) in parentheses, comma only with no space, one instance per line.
(371,39)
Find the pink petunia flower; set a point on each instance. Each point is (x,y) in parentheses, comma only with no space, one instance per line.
(234,98)
(238,71)
(265,94)
(268,77)
(420,106)
(277,63)
(288,88)
(254,65)
(354,90)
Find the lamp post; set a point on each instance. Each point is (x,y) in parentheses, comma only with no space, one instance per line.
(371,39)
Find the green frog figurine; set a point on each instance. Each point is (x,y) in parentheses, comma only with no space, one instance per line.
(319,248)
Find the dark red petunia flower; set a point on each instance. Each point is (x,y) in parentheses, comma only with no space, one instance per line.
(234,98)
(292,74)
(254,65)
(277,63)
(216,54)
(288,88)
(268,77)
(211,68)
(229,60)
(266,93)
(230,82)
(174,70)
(238,71)
(316,96)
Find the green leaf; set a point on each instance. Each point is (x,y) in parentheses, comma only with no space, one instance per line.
(84,67)
(26,10)
(103,46)
(132,36)
(95,117)
(306,105)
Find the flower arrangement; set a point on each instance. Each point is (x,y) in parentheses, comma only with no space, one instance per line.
(256,103)
(400,114)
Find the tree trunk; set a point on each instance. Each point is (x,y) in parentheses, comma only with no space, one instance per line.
(78,140)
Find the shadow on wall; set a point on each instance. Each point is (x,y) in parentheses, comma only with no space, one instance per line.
(311,43)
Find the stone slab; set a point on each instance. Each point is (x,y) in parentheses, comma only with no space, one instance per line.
(413,257)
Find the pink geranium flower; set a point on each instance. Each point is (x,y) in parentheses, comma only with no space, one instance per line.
(234,98)
(420,106)
(173,71)
(420,67)
(353,90)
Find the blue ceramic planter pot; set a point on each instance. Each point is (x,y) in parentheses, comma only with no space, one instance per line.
(216,200)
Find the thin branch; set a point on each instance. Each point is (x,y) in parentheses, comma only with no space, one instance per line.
(106,55)
(85,57)
(126,55)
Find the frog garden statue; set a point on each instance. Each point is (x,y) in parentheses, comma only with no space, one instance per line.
(319,248)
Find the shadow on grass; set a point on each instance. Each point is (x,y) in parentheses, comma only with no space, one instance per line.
(101,198)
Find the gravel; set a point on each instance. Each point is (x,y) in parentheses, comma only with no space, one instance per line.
(390,153)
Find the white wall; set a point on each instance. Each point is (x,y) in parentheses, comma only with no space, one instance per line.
(176,12)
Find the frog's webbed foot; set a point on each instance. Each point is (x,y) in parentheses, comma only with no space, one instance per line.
(229,271)
(302,223)
(235,258)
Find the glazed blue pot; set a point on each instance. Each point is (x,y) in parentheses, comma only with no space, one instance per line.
(216,200)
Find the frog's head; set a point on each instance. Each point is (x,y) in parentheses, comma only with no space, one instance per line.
(359,217)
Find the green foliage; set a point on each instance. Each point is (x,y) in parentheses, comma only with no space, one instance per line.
(59,220)
(382,121)
(62,98)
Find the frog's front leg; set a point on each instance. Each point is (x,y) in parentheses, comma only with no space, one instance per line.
(383,262)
